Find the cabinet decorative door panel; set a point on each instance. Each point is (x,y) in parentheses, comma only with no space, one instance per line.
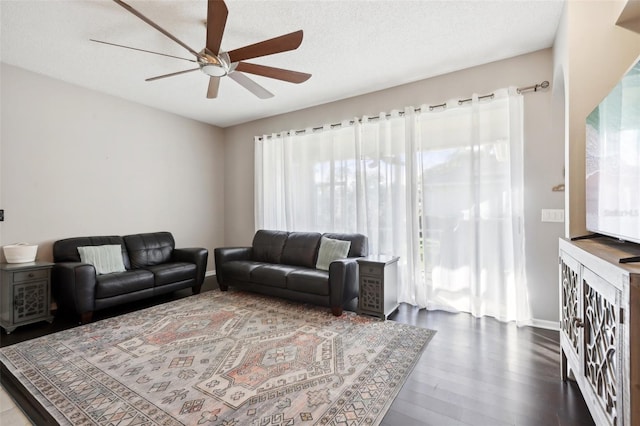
(30,301)
(571,317)
(371,297)
(602,349)
(603,322)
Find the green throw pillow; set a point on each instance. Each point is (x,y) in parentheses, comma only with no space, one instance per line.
(331,250)
(106,259)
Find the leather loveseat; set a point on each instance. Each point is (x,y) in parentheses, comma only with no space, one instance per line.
(152,266)
(283,264)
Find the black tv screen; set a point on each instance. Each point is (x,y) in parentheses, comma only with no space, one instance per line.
(613,161)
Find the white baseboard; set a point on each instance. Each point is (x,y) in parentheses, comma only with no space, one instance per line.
(548,325)
(210,273)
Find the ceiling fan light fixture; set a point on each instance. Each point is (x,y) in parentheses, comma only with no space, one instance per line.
(214,70)
(212,65)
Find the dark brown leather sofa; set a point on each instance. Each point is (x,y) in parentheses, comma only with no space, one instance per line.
(153,266)
(283,264)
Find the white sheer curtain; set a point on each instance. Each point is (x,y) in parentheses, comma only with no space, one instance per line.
(349,178)
(442,189)
(469,199)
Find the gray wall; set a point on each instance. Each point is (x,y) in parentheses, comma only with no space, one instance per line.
(75,162)
(543,156)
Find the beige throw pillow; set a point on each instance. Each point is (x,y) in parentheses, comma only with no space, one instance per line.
(106,259)
(331,250)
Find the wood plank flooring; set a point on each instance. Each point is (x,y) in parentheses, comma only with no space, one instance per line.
(476,372)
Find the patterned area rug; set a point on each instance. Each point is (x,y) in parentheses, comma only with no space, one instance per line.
(218,358)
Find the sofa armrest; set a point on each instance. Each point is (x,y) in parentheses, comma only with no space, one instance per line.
(228,254)
(196,255)
(73,285)
(343,281)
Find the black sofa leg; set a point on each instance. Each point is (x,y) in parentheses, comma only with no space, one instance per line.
(196,289)
(223,287)
(86,317)
(336,310)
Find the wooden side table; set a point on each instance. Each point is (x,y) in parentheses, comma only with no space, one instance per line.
(378,277)
(25,294)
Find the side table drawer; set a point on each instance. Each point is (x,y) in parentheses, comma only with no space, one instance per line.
(373,270)
(38,274)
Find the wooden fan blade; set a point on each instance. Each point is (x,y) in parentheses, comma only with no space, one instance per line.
(250,85)
(156,26)
(212,91)
(283,43)
(216,20)
(170,75)
(271,72)
(142,50)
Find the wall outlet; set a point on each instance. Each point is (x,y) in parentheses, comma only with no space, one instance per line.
(552,215)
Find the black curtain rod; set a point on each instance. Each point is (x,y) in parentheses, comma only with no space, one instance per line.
(532,88)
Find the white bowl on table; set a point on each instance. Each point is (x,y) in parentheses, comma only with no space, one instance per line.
(20,252)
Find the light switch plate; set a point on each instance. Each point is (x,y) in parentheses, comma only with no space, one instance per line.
(552,215)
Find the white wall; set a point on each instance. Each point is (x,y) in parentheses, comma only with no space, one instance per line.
(75,162)
(592,54)
(543,155)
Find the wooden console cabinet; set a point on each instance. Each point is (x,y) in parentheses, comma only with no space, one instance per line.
(25,295)
(600,326)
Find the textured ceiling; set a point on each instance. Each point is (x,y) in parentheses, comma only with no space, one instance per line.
(350,47)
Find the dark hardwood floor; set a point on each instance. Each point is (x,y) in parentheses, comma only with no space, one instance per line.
(478,371)
(473,372)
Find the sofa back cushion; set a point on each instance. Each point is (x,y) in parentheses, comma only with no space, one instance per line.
(359,243)
(301,249)
(67,250)
(149,249)
(267,245)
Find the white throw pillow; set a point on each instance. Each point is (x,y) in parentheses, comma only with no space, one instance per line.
(331,250)
(106,259)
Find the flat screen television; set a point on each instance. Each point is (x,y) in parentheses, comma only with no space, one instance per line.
(613,161)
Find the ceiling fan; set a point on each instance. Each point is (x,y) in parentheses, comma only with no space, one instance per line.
(216,63)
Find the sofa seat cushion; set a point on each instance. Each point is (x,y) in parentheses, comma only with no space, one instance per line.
(314,281)
(168,273)
(109,285)
(272,275)
(239,270)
